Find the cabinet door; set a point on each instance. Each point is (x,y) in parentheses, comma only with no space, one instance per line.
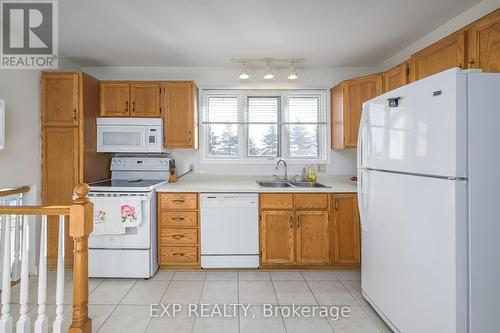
(355,93)
(277,237)
(485,43)
(346,232)
(59,175)
(396,77)
(312,237)
(60,99)
(180,115)
(444,54)
(114,99)
(145,98)
(337,110)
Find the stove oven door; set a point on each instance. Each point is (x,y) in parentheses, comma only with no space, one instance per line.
(138,237)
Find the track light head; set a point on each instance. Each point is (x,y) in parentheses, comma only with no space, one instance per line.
(244,74)
(269,74)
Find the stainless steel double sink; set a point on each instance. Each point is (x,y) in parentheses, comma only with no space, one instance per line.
(287,184)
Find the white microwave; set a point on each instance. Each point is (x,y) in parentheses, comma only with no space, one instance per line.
(129,135)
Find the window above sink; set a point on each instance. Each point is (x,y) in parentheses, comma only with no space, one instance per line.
(257,126)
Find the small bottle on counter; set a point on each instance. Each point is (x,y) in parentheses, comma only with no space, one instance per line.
(312,172)
(304,175)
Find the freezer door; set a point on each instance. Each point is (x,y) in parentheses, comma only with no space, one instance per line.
(425,134)
(414,250)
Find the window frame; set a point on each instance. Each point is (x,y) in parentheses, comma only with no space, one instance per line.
(283,129)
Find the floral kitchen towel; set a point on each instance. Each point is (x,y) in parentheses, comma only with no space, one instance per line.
(107,217)
(131,211)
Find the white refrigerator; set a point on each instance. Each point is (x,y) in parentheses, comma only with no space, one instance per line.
(428,194)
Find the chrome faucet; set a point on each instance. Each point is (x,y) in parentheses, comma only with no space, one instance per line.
(286,168)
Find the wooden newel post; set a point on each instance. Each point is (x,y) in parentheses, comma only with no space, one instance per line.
(80,226)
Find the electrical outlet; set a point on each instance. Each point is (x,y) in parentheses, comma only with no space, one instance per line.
(321,168)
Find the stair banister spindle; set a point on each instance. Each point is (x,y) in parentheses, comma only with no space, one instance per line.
(23,324)
(6,317)
(41,323)
(3,219)
(16,265)
(58,322)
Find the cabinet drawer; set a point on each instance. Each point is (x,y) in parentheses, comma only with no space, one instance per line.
(178,201)
(178,254)
(179,219)
(179,236)
(276,201)
(311,201)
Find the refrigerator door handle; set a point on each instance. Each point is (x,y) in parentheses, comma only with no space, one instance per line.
(361,143)
(361,201)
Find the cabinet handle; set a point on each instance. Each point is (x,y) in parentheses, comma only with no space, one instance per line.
(189,135)
(178,200)
(178,237)
(471,61)
(133,107)
(178,254)
(126,106)
(291,222)
(75,115)
(178,219)
(298,221)
(336,204)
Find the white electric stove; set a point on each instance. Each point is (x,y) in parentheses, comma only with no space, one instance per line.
(134,253)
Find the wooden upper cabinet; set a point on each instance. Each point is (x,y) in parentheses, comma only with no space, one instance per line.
(313,237)
(346,230)
(145,99)
(447,53)
(180,114)
(277,236)
(396,77)
(114,99)
(484,46)
(347,105)
(60,96)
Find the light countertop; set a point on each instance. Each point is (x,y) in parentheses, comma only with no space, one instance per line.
(203,183)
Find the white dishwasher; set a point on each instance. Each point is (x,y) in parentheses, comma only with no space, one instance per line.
(229,230)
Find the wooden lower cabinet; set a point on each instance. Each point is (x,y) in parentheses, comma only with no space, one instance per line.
(346,231)
(178,230)
(277,237)
(313,237)
(292,231)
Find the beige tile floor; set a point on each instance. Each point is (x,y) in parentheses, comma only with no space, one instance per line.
(123,305)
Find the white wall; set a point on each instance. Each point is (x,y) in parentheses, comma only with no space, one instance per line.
(20,160)
(342,162)
(479,10)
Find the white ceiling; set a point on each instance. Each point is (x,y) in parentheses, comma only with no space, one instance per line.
(211,32)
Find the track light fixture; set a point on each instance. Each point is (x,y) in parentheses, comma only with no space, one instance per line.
(244,74)
(292,75)
(269,63)
(269,74)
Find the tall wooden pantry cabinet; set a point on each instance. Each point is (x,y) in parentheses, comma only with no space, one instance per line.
(69,108)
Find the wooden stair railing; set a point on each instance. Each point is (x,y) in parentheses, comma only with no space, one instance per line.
(80,226)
